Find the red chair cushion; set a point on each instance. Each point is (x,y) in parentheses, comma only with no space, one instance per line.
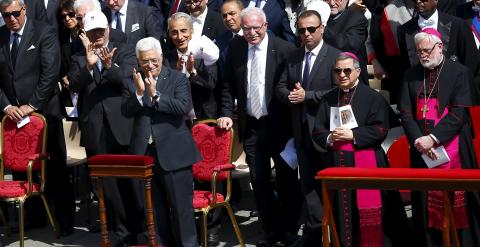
(215,146)
(399,153)
(9,189)
(423,173)
(119,159)
(475,117)
(20,144)
(201,198)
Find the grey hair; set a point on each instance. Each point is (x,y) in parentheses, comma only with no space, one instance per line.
(419,37)
(147,44)
(8,2)
(343,56)
(253,11)
(181,15)
(81,3)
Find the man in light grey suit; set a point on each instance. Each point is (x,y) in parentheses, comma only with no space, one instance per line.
(159,102)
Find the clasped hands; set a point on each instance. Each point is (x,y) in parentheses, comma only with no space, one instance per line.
(16,113)
(342,134)
(92,54)
(149,84)
(425,145)
(297,95)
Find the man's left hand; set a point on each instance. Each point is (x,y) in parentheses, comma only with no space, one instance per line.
(26,109)
(342,134)
(106,56)
(150,84)
(297,95)
(424,143)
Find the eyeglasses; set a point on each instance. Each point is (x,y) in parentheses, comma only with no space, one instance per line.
(69,14)
(346,71)
(154,61)
(15,14)
(426,51)
(302,30)
(254,29)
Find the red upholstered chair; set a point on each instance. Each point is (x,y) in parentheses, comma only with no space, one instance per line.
(215,145)
(23,150)
(123,166)
(475,117)
(399,157)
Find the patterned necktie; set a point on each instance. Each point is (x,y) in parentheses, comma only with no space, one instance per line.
(255,84)
(306,68)
(119,21)
(14,50)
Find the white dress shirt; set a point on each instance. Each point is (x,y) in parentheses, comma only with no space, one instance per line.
(314,55)
(198,23)
(20,33)
(431,22)
(123,16)
(253,2)
(202,48)
(262,51)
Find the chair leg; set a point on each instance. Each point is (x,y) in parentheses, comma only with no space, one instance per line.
(235,225)
(50,215)
(204,227)
(5,222)
(21,223)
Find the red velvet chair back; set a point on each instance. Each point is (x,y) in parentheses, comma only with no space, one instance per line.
(215,146)
(399,153)
(19,144)
(475,117)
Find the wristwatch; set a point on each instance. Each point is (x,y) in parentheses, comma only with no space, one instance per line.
(156,97)
(193,72)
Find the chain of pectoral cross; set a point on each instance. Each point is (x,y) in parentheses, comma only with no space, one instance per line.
(425,98)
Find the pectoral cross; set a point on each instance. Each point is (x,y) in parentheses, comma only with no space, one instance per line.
(424,110)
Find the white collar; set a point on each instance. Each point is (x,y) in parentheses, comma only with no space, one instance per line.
(315,50)
(239,33)
(348,89)
(430,22)
(263,45)
(201,18)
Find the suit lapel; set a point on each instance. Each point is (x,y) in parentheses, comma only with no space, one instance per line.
(269,69)
(444,28)
(26,40)
(130,17)
(411,49)
(207,26)
(316,65)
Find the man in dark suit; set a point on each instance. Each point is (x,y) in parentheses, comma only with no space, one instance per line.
(254,64)
(29,68)
(458,42)
(346,30)
(468,10)
(306,78)
(230,13)
(277,18)
(159,103)
(205,21)
(97,75)
(133,18)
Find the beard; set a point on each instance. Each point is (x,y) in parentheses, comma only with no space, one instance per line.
(431,63)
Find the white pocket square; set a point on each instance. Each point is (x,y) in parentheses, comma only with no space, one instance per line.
(31,47)
(135,27)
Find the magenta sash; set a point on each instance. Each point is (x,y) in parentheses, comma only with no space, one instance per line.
(435,198)
(369,202)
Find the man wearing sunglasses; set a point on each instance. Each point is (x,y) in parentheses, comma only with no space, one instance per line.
(29,69)
(306,78)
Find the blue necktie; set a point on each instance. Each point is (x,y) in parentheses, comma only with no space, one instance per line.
(14,50)
(119,21)
(258,3)
(306,68)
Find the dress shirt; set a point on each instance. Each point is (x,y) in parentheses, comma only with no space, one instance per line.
(431,22)
(262,49)
(314,55)
(198,23)
(123,16)
(253,2)
(202,48)
(20,35)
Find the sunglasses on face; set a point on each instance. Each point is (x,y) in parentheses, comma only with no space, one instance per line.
(301,30)
(69,14)
(346,71)
(15,14)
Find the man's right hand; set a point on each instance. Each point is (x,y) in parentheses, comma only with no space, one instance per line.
(224,123)
(89,51)
(14,113)
(378,70)
(139,84)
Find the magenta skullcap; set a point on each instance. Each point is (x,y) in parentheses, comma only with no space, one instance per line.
(350,54)
(432,31)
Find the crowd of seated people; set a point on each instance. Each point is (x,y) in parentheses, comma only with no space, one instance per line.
(290,74)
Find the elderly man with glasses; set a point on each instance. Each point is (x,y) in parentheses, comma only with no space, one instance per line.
(434,98)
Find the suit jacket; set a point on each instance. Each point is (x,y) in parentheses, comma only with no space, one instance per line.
(140,22)
(236,84)
(36,10)
(213,25)
(202,86)
(100,96)
(456,36)
(34,79)
(320,81)
(277,19)
(348,33)
(465,11)
(164,121)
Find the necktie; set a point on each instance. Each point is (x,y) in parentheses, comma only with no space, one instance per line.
(119,21)
(255,84)
(14,50)
(258,3)
(306,68)
(174,7)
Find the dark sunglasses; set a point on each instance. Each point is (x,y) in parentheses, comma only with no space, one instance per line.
(15,14)
(301,30)
(69,14)
(339,71)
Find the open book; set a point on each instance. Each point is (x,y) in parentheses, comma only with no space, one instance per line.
(442,159)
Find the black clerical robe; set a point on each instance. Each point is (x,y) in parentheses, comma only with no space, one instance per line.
(372,114)
(448,86)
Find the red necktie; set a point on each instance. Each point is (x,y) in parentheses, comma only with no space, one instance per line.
(174,8)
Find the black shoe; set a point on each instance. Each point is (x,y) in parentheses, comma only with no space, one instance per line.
(269,241)
(213,239)
(94,228)
(67,231)
(254,213)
